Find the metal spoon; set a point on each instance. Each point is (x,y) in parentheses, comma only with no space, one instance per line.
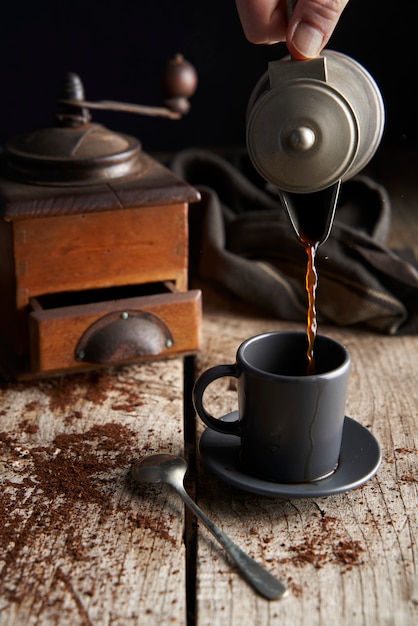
(170,469)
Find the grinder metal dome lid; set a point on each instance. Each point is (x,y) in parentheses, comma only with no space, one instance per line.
(74,151)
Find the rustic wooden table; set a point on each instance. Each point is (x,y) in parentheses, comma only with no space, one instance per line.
(80,544)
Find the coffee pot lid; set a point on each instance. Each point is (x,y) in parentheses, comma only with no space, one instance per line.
(303,136)
(312,123)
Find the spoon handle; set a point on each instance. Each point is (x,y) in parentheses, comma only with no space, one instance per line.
(264,582)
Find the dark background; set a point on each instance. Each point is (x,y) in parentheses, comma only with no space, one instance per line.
(118,49)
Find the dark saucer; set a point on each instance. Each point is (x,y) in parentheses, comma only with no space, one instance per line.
(360,459)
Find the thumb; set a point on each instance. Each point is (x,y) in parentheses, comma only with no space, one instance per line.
(311,25)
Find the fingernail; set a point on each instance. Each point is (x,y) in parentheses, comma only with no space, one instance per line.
(307,40)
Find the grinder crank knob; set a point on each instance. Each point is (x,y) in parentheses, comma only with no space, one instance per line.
(178,83)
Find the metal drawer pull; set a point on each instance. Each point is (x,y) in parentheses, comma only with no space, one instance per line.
(122,336)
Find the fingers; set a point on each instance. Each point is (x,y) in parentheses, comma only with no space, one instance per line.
(310,27)
(263,21)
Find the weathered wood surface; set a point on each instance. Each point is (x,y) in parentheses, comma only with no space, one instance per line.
(348,559)
(79,544)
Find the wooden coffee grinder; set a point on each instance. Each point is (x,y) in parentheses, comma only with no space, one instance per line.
(94,243)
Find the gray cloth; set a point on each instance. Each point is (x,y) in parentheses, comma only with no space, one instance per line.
(249,246)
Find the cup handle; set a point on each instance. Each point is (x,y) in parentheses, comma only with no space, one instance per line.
(204,380)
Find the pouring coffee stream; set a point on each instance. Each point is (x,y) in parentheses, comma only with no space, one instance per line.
(311,125)
(312,225)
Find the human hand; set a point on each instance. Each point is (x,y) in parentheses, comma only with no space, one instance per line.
(305,33)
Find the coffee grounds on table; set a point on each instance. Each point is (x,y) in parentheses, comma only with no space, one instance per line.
(46,490)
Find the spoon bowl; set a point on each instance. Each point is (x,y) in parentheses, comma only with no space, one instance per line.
(160,468)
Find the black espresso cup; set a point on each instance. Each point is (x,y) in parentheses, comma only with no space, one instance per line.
(290,423)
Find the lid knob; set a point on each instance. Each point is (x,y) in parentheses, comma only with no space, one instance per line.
(302,139)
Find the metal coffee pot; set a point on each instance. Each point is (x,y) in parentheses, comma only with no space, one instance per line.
(312,124)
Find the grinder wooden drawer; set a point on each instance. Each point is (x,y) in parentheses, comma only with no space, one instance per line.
(111,332)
